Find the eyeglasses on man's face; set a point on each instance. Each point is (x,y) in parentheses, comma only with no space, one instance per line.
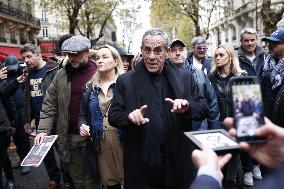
(201,48)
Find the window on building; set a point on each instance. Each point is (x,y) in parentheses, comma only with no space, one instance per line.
(44,31)
(10,3)
(12,34)
(226,36)
(234,33)
(2,31)
(31,37)
(20,4)
(29,8)
(43,16)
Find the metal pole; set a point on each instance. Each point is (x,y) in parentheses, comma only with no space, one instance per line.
(256,15)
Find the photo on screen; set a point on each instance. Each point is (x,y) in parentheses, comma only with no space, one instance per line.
(248,108)
(215,140)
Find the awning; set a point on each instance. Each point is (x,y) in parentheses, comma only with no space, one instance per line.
(47,49)
(6,51)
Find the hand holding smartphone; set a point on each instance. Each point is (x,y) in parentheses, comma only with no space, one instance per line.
(247,108)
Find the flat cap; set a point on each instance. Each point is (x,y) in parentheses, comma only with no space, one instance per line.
(76,44)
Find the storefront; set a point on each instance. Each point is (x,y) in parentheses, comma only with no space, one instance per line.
(6,51)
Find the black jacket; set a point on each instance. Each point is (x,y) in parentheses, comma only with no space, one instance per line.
(273,180)
(7,108)
(247,65)
(134,89)
(278,113)
(222,90)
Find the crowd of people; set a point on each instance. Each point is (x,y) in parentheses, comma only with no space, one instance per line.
(120,118)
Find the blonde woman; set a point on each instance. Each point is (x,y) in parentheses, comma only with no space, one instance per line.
(225,65)
(104,145)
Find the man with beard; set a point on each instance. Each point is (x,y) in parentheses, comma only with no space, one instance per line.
(37,69)
(61,107)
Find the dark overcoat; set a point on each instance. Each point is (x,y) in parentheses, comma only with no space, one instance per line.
(133,91)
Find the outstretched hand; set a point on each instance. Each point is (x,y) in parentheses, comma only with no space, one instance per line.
(137,116)
(178,105)
(270,153)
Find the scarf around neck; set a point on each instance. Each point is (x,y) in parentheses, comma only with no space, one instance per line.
(273,70)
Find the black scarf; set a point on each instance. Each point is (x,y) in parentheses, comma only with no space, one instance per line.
(160,126)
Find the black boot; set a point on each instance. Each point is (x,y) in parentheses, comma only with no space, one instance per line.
(117,186)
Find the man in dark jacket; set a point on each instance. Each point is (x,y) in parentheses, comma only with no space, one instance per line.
(198,57)
(20,137)
(178,56)
(273,76)
(154,104)
(7,116)
(37,69)
(251,55)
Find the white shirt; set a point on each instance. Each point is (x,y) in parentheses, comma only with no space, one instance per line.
(196,63)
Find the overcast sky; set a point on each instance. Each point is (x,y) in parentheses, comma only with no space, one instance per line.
(143,16)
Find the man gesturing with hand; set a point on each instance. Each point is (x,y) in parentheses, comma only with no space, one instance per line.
(154,104)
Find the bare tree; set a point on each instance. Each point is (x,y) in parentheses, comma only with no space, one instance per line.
(270,16)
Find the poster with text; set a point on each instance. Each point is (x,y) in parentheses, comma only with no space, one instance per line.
(38,152)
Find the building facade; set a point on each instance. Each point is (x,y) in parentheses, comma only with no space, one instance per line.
(18,25)
(225,28)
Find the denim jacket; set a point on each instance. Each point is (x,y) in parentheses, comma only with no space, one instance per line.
(206,89)
(90,114)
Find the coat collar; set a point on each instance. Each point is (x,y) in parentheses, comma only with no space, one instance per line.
(170,72)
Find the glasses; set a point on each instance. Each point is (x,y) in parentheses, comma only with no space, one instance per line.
(202,48)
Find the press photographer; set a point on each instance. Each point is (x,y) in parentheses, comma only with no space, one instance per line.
(13,67)
(10,71)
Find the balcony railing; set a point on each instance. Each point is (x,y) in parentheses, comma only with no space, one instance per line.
(2,39)
(44,19)
(14,41)
(26,17)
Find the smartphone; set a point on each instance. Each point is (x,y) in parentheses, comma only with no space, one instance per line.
(247,108)
(25,71)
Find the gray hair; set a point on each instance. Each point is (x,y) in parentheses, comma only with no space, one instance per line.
(249,31)
(28,47)
(198,40)
(156,31)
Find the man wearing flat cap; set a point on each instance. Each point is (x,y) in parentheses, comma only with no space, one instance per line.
(273,77)
(61,107)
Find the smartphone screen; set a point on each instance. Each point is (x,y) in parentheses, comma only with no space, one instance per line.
(248,108)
